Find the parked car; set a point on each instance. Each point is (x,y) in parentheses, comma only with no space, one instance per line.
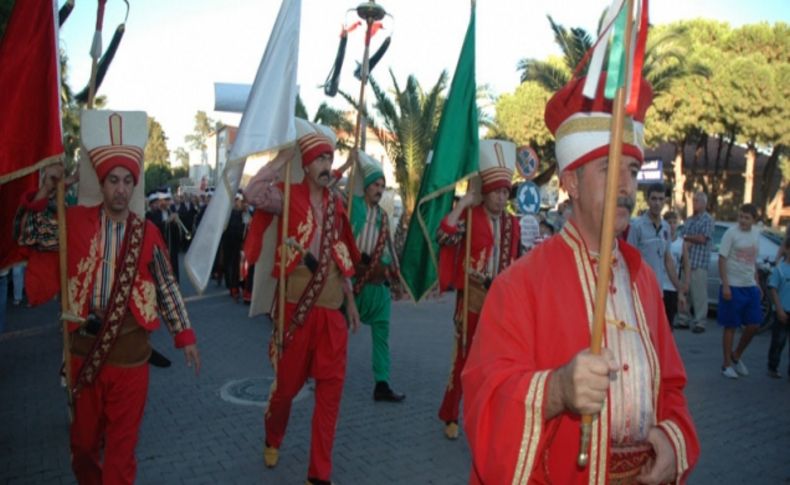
(770,241)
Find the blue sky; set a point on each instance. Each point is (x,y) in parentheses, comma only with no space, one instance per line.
(173,51)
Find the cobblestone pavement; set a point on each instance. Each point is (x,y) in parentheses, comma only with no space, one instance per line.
(191,435)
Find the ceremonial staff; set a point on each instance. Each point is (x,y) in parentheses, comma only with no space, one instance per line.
(370,12)
(60,199)
(467,261)
(607,232)
(283,260)
(65,309)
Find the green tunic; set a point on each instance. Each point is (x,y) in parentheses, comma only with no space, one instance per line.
(374,300)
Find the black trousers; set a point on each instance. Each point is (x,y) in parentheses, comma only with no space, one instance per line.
(671,305)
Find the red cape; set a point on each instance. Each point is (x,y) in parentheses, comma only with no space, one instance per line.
(451,258)
(535,319)
(301,227)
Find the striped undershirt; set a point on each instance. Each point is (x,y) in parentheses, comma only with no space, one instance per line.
(366,240)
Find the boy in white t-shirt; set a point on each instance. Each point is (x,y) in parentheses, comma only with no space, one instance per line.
(739,295)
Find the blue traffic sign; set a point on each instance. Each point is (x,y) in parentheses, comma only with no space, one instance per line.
(528,198)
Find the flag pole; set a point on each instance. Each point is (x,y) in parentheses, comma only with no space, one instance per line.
(370,12)
(283,280)
(607,232)
(60,198)
(95,53)
(467,262)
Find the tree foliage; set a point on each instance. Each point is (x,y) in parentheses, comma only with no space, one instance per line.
(743,100)
(157,176)
(406,123)
(183,157)
(156,151)
(204,126)
(519,118)
(711,83)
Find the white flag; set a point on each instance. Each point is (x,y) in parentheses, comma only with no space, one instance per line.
(267,124)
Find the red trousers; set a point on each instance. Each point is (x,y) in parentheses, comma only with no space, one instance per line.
(108,413)
(318,349)
(451,403)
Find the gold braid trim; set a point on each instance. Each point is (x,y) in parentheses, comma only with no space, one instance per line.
(533,424)
(118,304)
(679,444)
(506,241)
(329,234)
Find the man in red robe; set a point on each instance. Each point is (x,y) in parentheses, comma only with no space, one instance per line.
(494,246)
(119,280)
(530,374)
(320,259)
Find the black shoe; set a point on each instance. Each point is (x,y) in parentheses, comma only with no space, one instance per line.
(383,392)
(698,329)
(158,360)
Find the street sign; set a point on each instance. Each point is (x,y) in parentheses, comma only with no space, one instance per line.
(651,171)
(527,162)
(528,198)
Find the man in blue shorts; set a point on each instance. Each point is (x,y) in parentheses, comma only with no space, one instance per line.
(739,295)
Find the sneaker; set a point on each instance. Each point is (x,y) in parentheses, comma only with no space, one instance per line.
(698,329)
(740,367)
(774,373)
(729,372)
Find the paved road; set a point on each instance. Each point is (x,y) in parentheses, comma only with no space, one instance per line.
(192,435)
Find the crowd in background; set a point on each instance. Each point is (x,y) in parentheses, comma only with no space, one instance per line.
(178,217)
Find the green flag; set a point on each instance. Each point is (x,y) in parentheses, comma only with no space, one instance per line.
(615,72)
(454,157)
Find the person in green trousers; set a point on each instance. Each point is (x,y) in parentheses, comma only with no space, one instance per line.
(376,270)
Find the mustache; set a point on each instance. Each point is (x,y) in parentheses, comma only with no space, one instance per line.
(626,202)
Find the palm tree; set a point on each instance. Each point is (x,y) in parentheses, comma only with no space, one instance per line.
(574,44)
(665,59)
(406,125)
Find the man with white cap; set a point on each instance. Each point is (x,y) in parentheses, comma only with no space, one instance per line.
(320,259)
(494,246)
(530,374)
(119,281)
(376,270)
(164,218)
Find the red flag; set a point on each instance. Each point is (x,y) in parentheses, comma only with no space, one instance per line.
(30,129)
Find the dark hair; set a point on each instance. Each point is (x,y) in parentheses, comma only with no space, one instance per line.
(652,188)
(670,214)
(547,225)
(750,209)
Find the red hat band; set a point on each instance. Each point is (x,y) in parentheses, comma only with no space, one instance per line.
(496,178)
(313,146)
(106,158)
